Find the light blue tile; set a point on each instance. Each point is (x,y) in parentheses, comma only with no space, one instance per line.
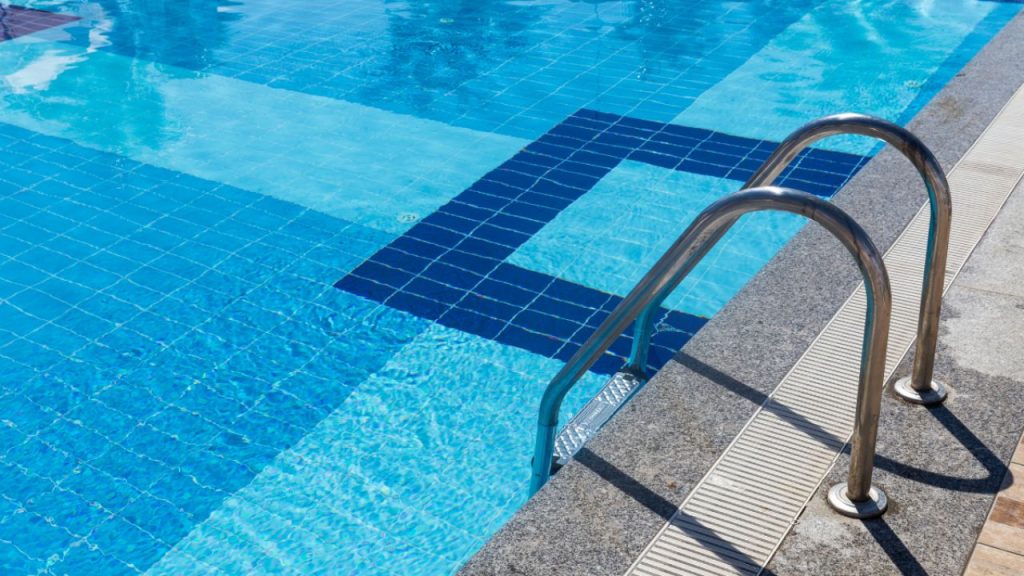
(872,58)
(611,236)
(347,160)
(396,458)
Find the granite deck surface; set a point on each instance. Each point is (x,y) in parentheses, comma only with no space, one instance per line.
(941,467)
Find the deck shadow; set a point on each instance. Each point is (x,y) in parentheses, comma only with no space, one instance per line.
(994,467)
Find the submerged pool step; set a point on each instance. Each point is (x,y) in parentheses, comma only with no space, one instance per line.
(619,389)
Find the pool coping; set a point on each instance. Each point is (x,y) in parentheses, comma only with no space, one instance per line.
(599,513)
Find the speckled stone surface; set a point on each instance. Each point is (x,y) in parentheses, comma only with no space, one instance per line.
(596,516)
(940,467)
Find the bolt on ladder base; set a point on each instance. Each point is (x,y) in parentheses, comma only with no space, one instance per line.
(935,394)
(873,507)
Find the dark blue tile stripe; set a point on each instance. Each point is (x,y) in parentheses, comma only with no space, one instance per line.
(450,267)
(521,308)
(597,138)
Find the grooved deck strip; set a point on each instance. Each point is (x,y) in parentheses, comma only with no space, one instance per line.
(792,441)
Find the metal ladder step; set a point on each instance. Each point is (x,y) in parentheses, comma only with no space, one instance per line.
(616,392)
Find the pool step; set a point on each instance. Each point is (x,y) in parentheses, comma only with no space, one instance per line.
(619,389)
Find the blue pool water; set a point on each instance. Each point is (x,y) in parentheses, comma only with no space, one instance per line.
(281,282)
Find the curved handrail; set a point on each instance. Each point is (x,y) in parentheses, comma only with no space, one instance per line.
(673,267)
(920,387)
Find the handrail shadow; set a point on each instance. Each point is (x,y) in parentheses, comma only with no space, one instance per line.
(656,503)
(883,534)
(992,464)
(900,556)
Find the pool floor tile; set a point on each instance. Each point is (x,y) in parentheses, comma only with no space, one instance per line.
(454,266)
(340,482)
(182,387)
(133,384)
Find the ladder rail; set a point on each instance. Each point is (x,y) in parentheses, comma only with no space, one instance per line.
(920,387)
(676,263)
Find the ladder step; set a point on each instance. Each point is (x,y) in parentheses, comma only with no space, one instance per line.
(593,416)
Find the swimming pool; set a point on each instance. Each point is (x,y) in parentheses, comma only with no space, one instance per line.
(282,282)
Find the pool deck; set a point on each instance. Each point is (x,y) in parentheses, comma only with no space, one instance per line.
(600,512)
(949,460)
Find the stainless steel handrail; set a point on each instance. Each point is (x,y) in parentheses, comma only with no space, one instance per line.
(673,267)
(920,387)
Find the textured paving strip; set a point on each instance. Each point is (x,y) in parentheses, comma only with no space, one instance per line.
(738,515)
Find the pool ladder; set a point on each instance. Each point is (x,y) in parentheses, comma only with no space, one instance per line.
(856,497)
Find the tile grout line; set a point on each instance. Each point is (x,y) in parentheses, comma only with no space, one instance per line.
(682,537)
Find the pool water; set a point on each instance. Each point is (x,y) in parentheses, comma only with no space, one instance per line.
(281,283)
